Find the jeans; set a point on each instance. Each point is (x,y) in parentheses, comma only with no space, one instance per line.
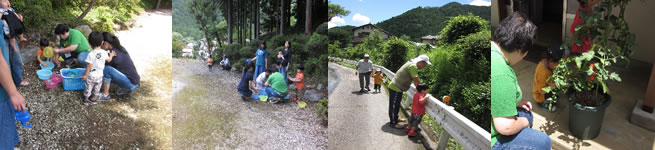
(81,59)
(112,74)
(16,62)
(246,92)
(271,93)
(394,105)
(283,71)
(364,76)
(8,131)
(527,138)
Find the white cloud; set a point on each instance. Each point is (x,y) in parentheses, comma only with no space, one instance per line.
(336,20)
(359,18)
(480,3)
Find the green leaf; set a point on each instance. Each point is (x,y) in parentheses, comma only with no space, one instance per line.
(615,76)
(547,89)
(578,62)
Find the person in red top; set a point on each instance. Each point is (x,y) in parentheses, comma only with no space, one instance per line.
(300,83)
(418,108)
(583,11)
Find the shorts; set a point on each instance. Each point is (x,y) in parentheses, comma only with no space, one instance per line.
(415,119)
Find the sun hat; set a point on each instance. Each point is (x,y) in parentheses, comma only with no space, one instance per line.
(420,58)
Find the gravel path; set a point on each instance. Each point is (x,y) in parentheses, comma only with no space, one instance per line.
(209,114)
(360,120)
(140,120)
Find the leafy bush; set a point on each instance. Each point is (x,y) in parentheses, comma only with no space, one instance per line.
(42,15)
(462,26)
(322,108)
(177,48)
(396,49)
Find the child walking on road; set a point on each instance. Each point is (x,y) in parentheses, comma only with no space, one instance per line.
(377,80)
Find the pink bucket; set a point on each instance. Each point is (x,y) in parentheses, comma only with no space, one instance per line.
(50,84)
(56,78)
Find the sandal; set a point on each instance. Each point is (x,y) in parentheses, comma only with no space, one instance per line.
(24,83)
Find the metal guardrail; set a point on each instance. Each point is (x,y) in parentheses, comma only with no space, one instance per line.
(464,131)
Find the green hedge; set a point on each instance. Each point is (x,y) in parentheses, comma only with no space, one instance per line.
(42,15)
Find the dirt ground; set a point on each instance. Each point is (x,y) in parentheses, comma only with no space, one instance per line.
(141,120)
(209,114)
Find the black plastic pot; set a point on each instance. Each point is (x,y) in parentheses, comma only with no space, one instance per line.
(585,121)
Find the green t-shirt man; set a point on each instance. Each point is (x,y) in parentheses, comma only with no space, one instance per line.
(409,67)
(506,92)
(277,82)
(75,37)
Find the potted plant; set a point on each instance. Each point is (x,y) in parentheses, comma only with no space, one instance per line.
(584,77)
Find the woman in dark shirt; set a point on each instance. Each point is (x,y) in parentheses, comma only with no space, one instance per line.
(120,70)
(286,54)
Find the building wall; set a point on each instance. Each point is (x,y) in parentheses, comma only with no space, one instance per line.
(639,15)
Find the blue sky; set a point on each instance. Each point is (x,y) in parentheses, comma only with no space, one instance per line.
(374,11)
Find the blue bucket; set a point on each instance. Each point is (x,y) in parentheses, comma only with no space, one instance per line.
(44,74)
(49,67)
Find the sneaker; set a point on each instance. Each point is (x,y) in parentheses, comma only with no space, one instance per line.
(103,97)
(411,134)
(401,119)
(407,129)
(368,89)
(122,91)
(85,102)
(362,91)
(243,98)
(295,100)
(273,100)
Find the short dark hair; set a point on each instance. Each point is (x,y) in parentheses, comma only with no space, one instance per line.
(61,29)
(44,42)
(421,87)
(271,70)
(301,67)
(515,32)
(95,39)
(262,42)
(555,52)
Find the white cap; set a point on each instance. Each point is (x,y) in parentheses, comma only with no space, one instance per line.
(422,58)
(366,55)
(378,69)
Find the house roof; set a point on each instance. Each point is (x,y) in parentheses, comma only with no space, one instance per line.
(369,24)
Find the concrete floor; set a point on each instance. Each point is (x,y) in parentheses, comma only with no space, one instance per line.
(616,132)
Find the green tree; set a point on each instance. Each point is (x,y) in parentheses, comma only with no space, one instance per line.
(336,10)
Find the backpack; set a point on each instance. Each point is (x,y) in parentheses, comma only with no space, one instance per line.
(16,27)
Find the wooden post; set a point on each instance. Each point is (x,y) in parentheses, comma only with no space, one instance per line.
(649,99)
(443,140)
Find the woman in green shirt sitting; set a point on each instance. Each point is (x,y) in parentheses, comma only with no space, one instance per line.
(511,125)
